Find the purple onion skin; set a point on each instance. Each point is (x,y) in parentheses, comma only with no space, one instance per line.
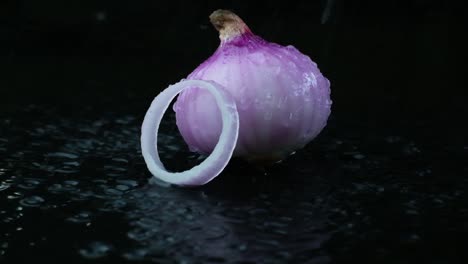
(282,98)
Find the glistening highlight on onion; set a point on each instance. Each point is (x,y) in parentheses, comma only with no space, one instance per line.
(252,99)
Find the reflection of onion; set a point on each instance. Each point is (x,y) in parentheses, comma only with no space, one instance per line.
(282,99)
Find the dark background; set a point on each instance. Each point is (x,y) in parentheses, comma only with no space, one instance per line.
(373,51)
(385,182)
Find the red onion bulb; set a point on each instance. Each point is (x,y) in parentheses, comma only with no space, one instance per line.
(280,97)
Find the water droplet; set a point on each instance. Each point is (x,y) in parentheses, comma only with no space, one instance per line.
(141,234)
(4,186)
(101,16)
(137,254)
(29,184)
(114,192)
(122,187)
(66,171)
(214,233)
(411,149)
(15,195)
(55,188)
(130,183)
(120,160)
(392,139)
(32,201)
(412,212)
(82,217)
(71,163)
(71,182)
(358,156)
(62,155)
(96,250)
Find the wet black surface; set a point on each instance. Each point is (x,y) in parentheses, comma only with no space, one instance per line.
(74,186)
(385,182)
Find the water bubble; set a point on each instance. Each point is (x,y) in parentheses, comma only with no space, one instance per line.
(32,201)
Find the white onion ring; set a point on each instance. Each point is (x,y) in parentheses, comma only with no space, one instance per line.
(222,153)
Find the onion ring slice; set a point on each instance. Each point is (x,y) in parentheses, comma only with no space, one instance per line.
(214,164)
